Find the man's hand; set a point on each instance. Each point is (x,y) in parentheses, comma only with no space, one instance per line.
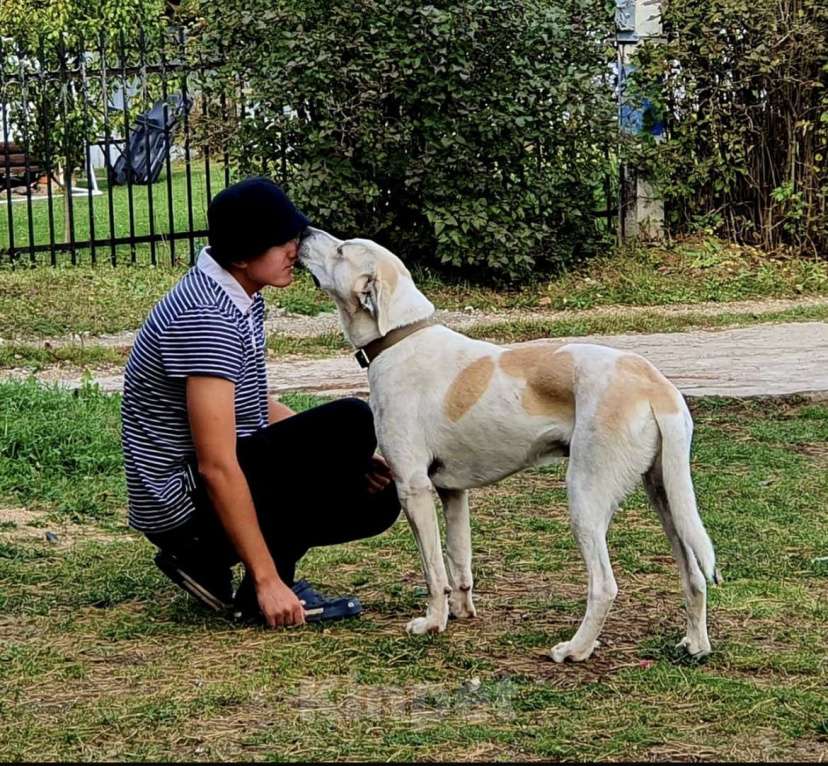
(380,476)
(279,604)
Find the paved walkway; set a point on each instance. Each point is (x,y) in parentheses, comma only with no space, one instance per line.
(763,360)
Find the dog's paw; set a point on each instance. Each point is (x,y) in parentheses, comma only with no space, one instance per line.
(421,625)
(696,648)
(568,651)
(461,606)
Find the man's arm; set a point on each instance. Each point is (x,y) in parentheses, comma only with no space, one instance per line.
(211,410)
(277,411)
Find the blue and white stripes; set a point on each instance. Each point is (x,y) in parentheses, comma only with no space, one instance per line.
(205,325)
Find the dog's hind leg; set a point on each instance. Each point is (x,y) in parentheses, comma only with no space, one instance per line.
(418,505)
(591,506)
(693,582)
(458,552)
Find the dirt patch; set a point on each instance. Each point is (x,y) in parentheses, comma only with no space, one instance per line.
(23,525)
(817,451)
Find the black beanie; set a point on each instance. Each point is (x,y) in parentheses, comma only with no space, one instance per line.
(249,217)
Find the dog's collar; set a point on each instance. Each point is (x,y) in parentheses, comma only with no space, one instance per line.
(367,354)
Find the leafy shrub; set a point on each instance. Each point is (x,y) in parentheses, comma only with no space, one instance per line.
(744,86)
(469,133)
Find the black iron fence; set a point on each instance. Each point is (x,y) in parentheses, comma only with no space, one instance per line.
(112,149)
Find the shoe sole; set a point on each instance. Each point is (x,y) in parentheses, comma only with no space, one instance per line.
(194,588)
(311,615)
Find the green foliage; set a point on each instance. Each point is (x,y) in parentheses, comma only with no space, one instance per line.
(53,19)
(469,133)
(744,86)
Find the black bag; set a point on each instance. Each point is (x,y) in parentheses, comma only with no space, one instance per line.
(146,152)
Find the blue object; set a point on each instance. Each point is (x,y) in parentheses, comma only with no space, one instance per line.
(641,119)
(637,118)
(319,608)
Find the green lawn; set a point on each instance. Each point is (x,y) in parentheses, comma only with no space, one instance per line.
(102,659)
(48,302)
(121,219)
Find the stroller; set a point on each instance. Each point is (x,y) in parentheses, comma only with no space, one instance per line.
(148,145)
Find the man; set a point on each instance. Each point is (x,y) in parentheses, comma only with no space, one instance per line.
(216,471)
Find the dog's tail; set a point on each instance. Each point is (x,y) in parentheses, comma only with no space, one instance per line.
(676,433)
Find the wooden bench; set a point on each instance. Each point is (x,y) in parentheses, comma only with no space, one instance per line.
(14,168)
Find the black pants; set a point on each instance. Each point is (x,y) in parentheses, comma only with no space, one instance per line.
(307,478)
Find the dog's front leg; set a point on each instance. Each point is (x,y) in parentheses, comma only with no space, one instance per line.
(418,506)
(458,552)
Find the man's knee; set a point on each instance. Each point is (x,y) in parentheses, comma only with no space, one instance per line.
(356,421)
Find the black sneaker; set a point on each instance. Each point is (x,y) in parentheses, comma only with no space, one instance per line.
(318,608)
(213,588)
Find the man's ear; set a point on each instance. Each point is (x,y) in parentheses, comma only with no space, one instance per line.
(372,295)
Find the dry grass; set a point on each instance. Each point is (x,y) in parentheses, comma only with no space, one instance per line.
(102,659)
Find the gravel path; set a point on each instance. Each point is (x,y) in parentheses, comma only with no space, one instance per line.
(763,360)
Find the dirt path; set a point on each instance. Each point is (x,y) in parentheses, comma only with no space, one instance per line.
(764,360)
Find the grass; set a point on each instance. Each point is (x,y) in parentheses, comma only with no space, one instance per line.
(693,270)
(531,329)
(65,301)
(51,302)
(139,226)
(102,659)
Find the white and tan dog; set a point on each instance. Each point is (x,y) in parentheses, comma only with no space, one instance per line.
(455,413)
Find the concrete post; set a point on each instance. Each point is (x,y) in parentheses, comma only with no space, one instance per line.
(640,210)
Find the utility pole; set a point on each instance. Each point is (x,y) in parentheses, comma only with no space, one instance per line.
(640,209)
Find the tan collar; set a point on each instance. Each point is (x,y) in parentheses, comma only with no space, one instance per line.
(368,353)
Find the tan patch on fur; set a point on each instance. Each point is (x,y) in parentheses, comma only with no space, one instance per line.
(549,377)
(388,274)
(469,385)
(636,382)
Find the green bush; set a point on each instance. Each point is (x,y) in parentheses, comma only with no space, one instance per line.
(467,133)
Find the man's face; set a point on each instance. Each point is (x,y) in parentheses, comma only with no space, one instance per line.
(275,266)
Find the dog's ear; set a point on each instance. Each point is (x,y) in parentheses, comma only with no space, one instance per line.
(372,293)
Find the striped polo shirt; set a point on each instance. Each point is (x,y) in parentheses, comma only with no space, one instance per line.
(206,325)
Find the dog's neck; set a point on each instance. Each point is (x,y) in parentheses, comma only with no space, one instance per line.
(408,305)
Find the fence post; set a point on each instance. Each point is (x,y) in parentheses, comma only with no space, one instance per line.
(640,208)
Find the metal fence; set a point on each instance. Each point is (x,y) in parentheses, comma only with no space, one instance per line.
(111,149)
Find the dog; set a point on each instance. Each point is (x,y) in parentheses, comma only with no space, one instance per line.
(453,413)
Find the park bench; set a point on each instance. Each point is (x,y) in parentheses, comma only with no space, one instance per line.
(15,168)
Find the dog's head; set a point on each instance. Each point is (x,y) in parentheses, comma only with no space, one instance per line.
(371,287)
